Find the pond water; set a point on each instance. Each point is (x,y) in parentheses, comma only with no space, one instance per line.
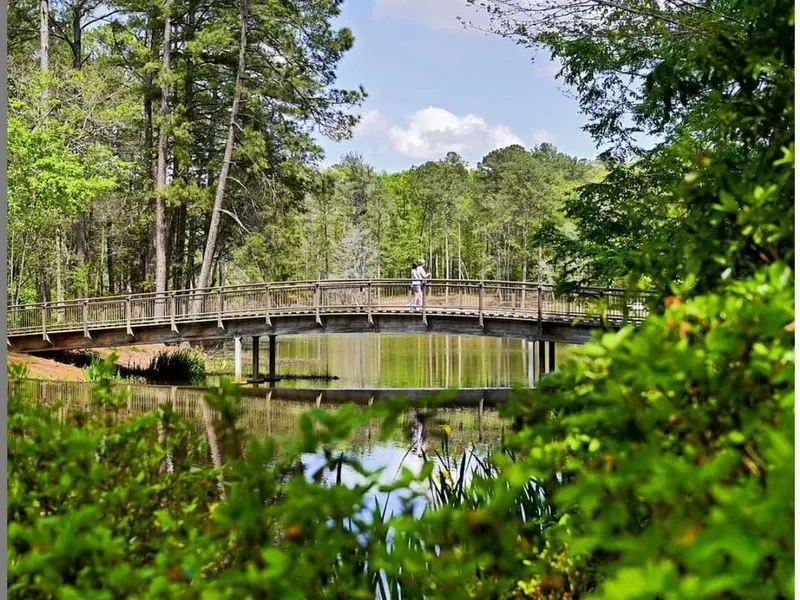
(393,361)
(406,363)
(474,427)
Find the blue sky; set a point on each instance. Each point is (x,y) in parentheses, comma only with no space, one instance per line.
(434,86)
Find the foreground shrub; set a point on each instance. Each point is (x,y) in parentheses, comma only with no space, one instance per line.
(675,446)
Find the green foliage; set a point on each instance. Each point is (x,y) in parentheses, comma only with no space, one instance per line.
(466,224)
(676,447)
(16,370)
(715,198)
(93,119)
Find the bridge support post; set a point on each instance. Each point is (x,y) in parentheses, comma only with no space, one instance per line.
(542,353)
(237,358)
(531,364)
(255,357)
(551,351)
(273,350)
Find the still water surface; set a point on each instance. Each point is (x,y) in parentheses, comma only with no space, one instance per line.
(395,360)
(358,361)
(474,428)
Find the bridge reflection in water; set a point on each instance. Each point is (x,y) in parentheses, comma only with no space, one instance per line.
(470,414)
(368,361)
(474,428)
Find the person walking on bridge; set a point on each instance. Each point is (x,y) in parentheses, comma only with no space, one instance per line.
(418,275)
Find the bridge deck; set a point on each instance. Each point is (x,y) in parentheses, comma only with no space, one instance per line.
(471,307)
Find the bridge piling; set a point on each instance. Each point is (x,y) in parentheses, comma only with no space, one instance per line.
(255,358)
(273,348)
(542,354)
(237,358)
(531,365)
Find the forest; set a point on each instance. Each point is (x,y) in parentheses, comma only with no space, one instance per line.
(157,146)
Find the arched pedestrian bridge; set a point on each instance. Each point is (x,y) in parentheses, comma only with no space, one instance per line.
(492,308)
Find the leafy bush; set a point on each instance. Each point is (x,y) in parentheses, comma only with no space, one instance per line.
(675,445)
(16,370)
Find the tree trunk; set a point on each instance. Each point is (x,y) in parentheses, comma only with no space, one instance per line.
(222,270)
(148,136)
(213,228)
(109,255)
(41,280)
(161,169)
(103,246)
(540,264)
(446,257)
(430,244)
(59,270)
(81,242)
(178,246)
(10,272)
(44,47)
(446,247)
(524,261)
(460,262)
(179,262)
(77,34)
(188,275)
(21,271)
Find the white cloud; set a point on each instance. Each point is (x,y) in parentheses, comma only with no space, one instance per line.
(438,15)
(432,132)
(372,123)
(542,136)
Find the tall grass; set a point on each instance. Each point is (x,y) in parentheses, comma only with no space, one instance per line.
(184,366)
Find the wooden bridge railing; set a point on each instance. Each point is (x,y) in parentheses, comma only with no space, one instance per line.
(377,296)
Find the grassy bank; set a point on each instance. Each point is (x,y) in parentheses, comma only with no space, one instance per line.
(131,362)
